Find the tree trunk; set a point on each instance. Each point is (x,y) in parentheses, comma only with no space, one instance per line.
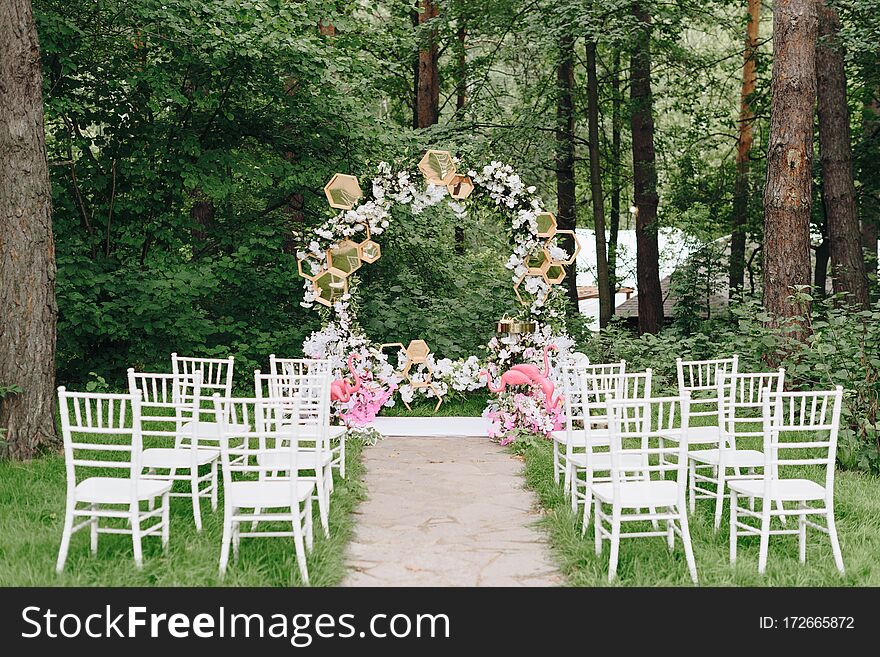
(743,150)
(788,195)
(823,254)
(869,222)
(461,96)
(566,214)
(428,84)
(27,250)
(605,299)
(650,297)
(416,62)
(835,148)
(614,225)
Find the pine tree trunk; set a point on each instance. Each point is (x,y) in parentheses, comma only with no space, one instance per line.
(614,223)
(416,63)
(743,149)
(605,299)
(27,249)
(788,195)
(650,297)
(870,186)
(461,95)
(566,214)
(428,85)
(847,260)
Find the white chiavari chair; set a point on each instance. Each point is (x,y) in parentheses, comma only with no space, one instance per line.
(636,426)
(311,367)
(740,417)
(800,435)
(102,434)
(308,400)
(602,376)
(169,403)
(250,494)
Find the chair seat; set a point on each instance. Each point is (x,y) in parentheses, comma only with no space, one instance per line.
(309,432)
(117,490)
(598,437)
(733,458)
(305,459)
(210,430)
(601,461)
(169,457)
(639,494)
(783,489)
(267,494)
(699,435)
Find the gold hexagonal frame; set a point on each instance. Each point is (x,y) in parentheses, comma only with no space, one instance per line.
(555,273)
(437,167)
(538,261)
(330,285)
(577,246)
(345,256)
(546,224)
(343,191)
(369,251)
(417,353)
(299,266)
(460,187)
(517,285)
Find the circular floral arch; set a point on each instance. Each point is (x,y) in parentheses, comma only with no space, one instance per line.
(351,239)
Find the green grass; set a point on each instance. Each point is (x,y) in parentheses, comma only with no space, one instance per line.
(32,497)
(471,406)
(646,561)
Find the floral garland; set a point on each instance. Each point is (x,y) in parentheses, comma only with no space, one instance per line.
(497,185)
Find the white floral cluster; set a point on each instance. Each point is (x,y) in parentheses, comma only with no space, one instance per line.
(508,350)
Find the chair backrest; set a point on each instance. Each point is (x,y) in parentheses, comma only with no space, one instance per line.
(216,372)
(634,385)
(800,429)
(740,413)
(250,426)
(699,377)
(101,433)
(167,402)
(312,395)
(603,376)
(638,426)
(300,366)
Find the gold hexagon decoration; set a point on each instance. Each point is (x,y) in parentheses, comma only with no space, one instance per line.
(369,251)
(577,246)
(299,266)
(345,256)
(555,273)
(418,351)
(343,191)
(329,286)
(417,354)
(437,167)
(546,224)
(538,261)
(528,299)
(460,187)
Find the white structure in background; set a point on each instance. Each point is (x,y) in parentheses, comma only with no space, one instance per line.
(675,247)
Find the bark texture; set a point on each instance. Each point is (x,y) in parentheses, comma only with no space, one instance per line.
(27,250)
(428,80)
(835,148)
(614,219)
(605,299)
(743,150)
(566,214)
(788,195)
(650,297)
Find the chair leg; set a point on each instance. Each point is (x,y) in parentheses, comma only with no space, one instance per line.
(802,534)
(342,456)
(692,502)
(597,528)
(555,461)
(236,540)
(615,543)
(765,535)
(322,502)
(166,517)
(568,476)
(298,544)
(573,482)
(214,485)
(670,534)
(309,531)
(720,484)
(135,515)
(686,540)
(93,530)
(194,494)
(226,540)
(832,534)
(734,503)
(65,537)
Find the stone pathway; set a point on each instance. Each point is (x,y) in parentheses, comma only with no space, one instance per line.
(446,511)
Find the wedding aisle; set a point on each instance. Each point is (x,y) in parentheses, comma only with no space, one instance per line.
(446,511)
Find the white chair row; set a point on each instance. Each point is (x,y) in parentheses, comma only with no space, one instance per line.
(592,453)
